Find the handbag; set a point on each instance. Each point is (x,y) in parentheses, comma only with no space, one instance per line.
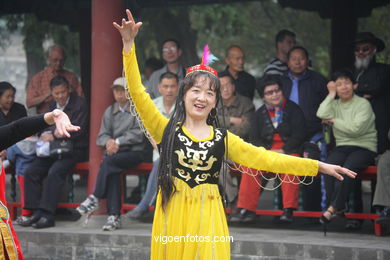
(61,148)
(42,149)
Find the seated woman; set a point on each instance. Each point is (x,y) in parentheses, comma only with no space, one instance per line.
(353,124)
(278,125)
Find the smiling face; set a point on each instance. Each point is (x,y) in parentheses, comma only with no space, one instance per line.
(345,88)
(273,95)
(200,99)
(60,94)
(7,99)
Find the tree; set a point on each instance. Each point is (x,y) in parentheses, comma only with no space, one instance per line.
(37,34)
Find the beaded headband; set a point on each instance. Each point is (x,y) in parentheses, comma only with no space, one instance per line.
(207,58)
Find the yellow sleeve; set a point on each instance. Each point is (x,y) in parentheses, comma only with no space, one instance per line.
(151,117)
(259,158)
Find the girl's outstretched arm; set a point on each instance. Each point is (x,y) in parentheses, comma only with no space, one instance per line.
(151,118)
(259,158)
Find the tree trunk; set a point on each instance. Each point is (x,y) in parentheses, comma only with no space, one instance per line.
(33,45)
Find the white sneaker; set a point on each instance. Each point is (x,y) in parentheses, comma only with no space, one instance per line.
(113,223)
(89,205)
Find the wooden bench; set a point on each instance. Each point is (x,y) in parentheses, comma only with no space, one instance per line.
(367,174)
(81,168)
(145,168)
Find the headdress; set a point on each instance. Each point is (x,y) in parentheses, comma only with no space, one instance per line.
(369,37)
(207,58)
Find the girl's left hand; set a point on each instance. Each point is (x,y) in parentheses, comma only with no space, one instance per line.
(335,171)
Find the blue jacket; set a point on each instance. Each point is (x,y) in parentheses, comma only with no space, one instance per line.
(312,91)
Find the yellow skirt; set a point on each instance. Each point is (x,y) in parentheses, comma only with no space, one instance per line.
(193,225)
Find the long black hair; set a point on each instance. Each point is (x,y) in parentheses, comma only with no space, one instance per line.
(165,180)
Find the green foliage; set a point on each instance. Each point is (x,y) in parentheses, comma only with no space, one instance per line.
(38,34)
(379,24)
(253,26)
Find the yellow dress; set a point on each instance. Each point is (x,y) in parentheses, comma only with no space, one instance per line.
(193,224)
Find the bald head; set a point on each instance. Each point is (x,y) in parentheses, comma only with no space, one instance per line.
(235,59)
(56,57)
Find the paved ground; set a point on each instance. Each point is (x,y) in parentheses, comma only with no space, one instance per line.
(249,241)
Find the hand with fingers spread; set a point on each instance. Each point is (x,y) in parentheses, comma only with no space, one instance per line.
(128,30)
(62,122)
(335,170)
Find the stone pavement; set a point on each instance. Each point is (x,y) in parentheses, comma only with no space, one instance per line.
(265,240)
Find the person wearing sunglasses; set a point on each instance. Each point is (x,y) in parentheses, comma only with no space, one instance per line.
(373,79)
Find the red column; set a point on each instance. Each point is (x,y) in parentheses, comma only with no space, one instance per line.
(106,66)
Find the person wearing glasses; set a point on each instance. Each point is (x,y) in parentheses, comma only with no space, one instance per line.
(278,125)
(373,79)
(171,53)
(38,89)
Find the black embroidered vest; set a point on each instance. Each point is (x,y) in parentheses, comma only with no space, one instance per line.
(198,162)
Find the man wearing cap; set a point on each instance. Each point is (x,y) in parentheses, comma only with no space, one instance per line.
(123,142)
(373,81)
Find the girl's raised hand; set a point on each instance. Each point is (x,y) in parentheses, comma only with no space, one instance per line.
(128,30)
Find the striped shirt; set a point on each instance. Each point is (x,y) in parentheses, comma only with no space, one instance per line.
(276,67)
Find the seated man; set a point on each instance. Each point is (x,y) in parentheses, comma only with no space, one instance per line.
(353,124)
(38,90)
(43,199)
(234,113)
(168,88)
(278,125)
(9,135)
(123,142)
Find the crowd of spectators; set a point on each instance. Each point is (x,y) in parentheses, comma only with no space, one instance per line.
(297,104)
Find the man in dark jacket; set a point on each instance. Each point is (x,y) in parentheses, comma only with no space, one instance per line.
(245,83)
(9,135)
(373,79)
(306,88)
(42,200)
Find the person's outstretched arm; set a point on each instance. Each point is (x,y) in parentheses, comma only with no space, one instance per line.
(261,159)
(152,119)
(27,126)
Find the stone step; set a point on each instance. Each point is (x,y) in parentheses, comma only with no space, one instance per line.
(72,240)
